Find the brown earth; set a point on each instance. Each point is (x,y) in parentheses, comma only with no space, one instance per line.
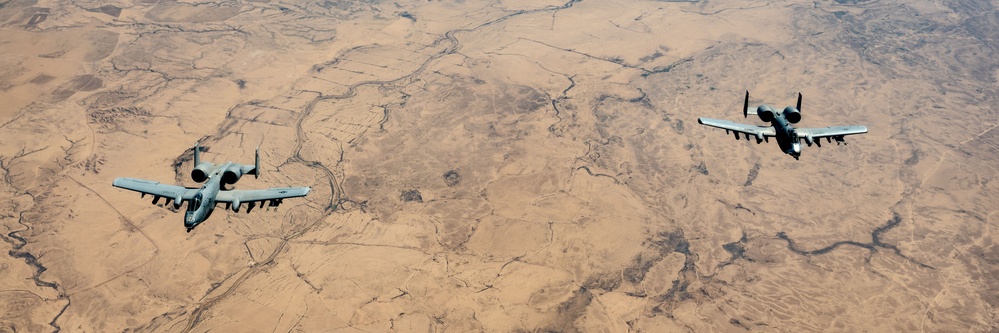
(501,166)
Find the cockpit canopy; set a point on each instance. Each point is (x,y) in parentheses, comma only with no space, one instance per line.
(195,202)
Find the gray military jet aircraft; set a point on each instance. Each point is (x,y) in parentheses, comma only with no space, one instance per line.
(201,201)
(788,137)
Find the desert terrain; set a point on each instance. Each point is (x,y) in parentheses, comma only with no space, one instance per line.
(500,166)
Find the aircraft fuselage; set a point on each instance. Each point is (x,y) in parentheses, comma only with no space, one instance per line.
(201,207)
(787,137)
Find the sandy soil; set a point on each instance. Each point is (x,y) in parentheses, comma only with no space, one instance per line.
(501,166)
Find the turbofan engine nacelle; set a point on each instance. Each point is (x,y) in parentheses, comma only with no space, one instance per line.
(765,112)
(792,114)
(200,172)
(232,174)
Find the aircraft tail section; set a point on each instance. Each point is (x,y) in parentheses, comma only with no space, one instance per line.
(232,172)
(745,106)
(201,170)
(798,106)
(197,155)
(256,163)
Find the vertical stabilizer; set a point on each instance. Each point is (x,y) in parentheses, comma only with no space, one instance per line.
(798,106)
(256,163)
(745,106)
(197,156)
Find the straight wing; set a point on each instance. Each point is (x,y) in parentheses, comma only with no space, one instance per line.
(831,131)
(155,188)
(749,130)
(261,195)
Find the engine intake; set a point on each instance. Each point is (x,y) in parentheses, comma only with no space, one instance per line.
(792,115)
(765,112)
(200,172)
(232,174)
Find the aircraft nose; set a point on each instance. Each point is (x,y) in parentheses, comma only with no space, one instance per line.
(189,221)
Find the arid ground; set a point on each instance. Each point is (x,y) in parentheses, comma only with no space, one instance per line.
(501,166)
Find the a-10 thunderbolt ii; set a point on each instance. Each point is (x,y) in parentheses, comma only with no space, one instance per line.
(788,137)
(201,201)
